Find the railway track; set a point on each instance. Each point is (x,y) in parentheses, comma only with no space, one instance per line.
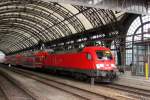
(134,92)
(76,91)
(2,95)
(11,90)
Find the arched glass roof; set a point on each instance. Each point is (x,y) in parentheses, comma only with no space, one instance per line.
(134,6)
(139,31)
(134,33)
(23,23)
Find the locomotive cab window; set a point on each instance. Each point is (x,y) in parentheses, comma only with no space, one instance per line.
(104,55)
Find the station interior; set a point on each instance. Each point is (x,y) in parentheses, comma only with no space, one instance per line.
(123,26)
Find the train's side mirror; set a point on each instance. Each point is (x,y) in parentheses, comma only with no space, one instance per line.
(88,56)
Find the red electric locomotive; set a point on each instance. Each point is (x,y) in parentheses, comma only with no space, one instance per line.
(93,61)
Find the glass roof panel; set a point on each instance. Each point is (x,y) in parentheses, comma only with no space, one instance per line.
(60,17)
(44,8)
(84,21)
(146,18)
(34,40)
(71,27)
(102,19)
(80,16)
(134,26)
(128,38)
(138,35)
(70,8)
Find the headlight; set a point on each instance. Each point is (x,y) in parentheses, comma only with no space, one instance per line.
(98,66)
(113,65)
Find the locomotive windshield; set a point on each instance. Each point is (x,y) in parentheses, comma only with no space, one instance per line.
(104,55)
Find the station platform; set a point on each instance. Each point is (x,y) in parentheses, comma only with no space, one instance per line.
(128,79)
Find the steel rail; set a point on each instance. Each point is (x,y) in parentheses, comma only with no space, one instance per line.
(83,93)
(18,85)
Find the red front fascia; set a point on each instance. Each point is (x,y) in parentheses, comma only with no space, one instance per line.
(69,61)
(107,63)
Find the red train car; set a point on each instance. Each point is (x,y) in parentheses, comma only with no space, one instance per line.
(94,61)
(40,58)
(14,60)
(32,59)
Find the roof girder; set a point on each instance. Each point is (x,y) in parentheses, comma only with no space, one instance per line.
(132,6)
(36,13)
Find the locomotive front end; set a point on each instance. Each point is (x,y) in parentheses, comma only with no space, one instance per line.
(105,65)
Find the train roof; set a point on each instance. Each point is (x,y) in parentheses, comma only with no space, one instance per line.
(76,50)
(96,48)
